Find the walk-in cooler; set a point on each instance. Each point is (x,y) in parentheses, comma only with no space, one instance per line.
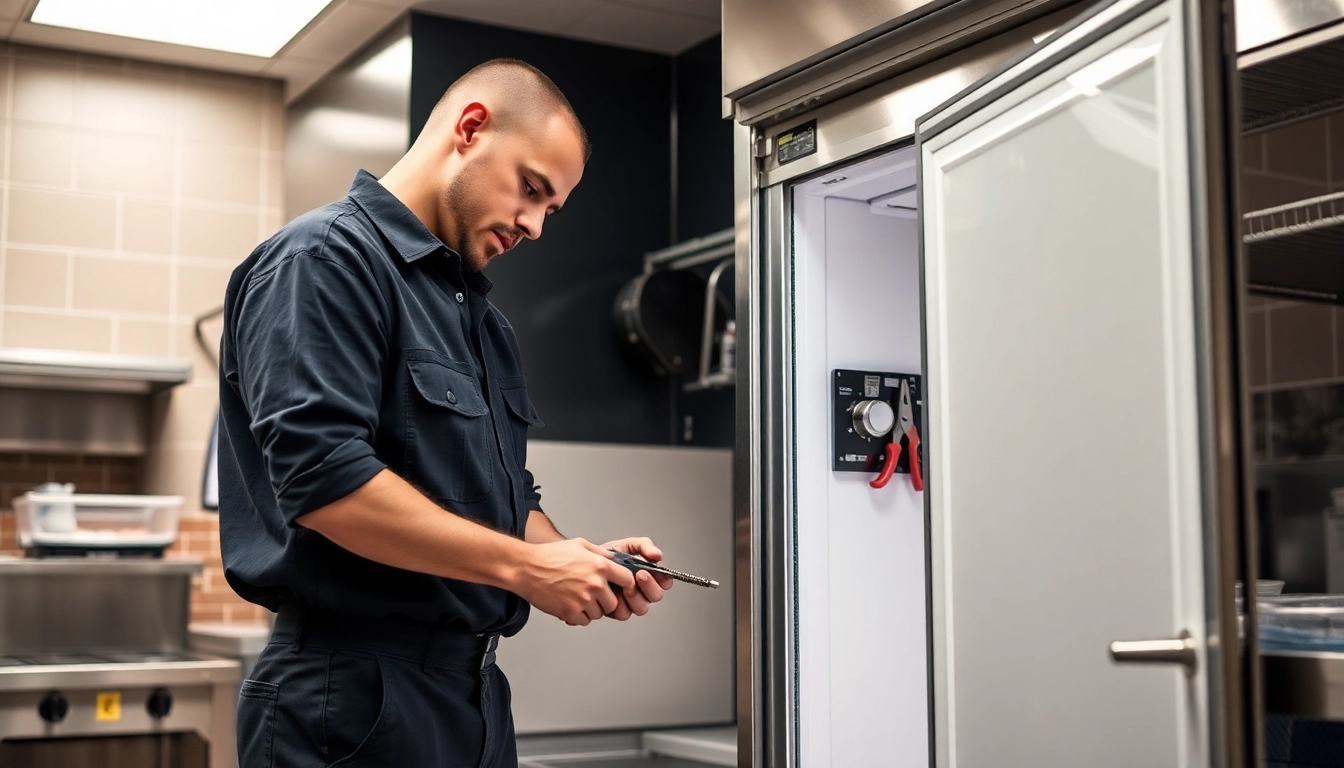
(1027,214)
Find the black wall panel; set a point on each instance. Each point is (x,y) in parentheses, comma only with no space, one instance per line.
(704,206)
(558,291)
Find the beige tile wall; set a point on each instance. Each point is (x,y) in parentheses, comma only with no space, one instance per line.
(129,191)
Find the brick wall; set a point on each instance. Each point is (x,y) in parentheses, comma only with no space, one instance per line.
(211,598)
(21,472)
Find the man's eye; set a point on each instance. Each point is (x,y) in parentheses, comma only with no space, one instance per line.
(530,190)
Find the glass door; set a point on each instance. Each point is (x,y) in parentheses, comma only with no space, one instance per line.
(1085,492)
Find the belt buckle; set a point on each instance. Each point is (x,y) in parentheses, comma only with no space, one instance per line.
(488,657)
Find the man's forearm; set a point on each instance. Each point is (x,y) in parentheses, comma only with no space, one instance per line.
(540,529)
(388,521)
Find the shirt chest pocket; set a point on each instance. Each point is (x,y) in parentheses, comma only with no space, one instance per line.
(522,414)
(450,445)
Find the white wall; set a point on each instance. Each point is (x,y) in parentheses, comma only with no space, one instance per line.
(675,665)
(862,626)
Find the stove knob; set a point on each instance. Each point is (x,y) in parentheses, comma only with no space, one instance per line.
(53,707)
(160,703)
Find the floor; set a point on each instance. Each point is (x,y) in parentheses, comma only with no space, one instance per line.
(671,748)
(654,761)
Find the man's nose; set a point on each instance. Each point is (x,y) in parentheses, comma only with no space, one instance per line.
(530,224)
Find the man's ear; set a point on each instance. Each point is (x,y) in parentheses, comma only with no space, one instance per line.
(474,118)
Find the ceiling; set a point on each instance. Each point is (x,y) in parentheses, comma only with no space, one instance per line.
(345,26)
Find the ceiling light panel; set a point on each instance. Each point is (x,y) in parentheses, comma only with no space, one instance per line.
(250,27)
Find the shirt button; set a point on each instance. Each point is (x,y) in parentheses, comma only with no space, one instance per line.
(460,298)
(450,397)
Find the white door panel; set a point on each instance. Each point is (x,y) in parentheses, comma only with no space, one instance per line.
(1064,409)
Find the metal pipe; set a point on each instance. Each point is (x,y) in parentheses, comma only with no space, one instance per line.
(707,337)
(673,253)
(695,260)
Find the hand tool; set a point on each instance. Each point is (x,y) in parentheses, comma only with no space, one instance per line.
(637,564)
(905,430)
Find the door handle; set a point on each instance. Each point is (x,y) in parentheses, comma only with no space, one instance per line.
(1180,650)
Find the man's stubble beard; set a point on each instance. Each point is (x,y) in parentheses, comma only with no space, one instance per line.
(462,210)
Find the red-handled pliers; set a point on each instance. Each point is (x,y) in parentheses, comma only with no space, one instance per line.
(905,428)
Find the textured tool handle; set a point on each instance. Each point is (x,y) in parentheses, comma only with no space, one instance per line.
(637,564)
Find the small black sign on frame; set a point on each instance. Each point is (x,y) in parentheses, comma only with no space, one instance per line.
(796,143)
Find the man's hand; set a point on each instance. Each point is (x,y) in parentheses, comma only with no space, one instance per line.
(571,581)
(648,588)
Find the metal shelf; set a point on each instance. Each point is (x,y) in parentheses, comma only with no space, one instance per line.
(1305,684)
(1294,218)
(1301,84)
(1296,251)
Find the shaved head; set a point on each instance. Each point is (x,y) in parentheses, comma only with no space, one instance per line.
(500,153)
(521,95)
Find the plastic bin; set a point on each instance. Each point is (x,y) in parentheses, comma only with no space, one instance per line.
(73,523)
(1301,623)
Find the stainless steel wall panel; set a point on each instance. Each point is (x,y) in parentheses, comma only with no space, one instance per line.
(765,38)
(358,117)
(903,49)
(62,421)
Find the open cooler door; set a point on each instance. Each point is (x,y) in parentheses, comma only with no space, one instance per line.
(1083,410)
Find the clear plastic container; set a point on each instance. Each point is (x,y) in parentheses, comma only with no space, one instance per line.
(1263,588)
(59,522)
(1301,622)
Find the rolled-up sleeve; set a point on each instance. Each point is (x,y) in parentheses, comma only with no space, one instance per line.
(311,349)
(532,491)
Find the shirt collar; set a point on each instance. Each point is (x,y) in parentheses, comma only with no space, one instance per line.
(401,227)
(478,282)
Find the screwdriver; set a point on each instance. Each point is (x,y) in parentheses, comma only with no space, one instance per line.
(637,564)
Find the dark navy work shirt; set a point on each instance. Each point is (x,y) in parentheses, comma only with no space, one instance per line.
(354,342)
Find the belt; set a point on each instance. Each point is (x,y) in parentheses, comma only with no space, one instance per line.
(415,641)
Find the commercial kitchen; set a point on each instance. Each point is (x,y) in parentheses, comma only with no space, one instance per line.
(986,355)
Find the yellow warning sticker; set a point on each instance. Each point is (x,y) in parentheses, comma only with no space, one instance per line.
(109,707)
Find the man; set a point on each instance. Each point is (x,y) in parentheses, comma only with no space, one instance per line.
(373,481)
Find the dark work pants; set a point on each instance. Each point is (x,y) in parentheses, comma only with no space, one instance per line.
(338,692)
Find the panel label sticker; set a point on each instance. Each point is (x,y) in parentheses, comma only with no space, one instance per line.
(872,386)
(796,143)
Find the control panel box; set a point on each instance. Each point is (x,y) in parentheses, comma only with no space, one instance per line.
(864,407)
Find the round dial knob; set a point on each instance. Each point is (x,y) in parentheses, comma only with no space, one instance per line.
(53,707)
(873,418)
(160,703)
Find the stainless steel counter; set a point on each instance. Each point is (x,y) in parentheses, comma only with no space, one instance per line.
(95,649)
(69,605)
(97,566)
(201,670)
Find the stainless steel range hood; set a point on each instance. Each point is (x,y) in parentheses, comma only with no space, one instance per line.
(90,372)
(53,401)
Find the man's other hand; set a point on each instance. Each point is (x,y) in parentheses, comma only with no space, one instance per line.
(649,588)
(572,580)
